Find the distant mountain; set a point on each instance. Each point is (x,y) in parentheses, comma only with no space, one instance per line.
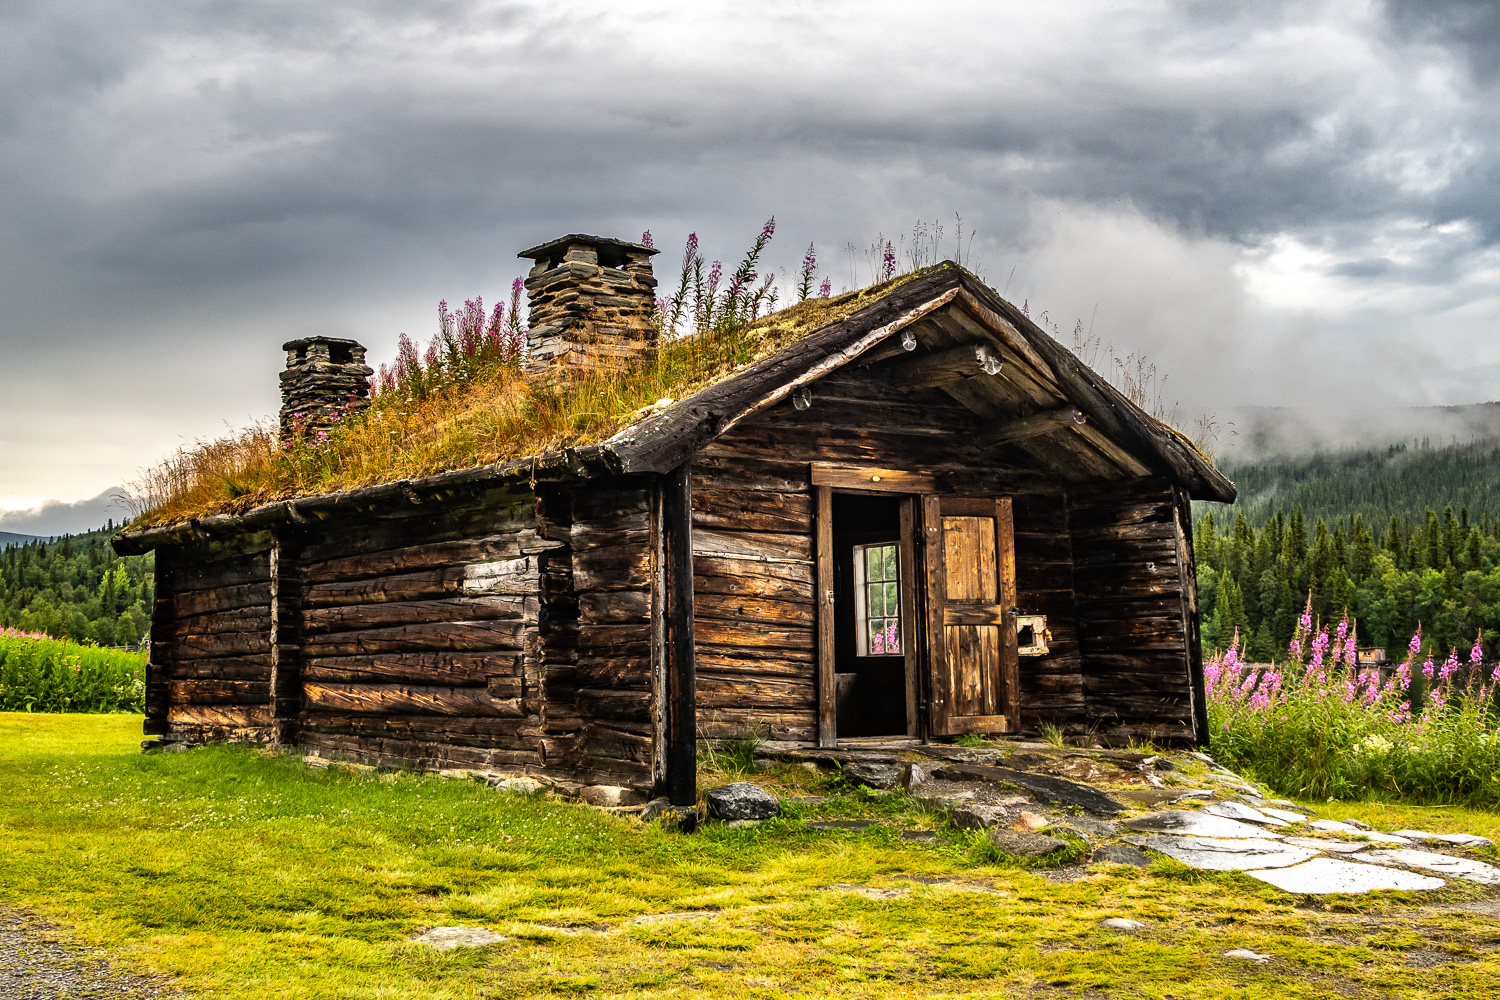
(9,538)
(1252,433)
(57,518)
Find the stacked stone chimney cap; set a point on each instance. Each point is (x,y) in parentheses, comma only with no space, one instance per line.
(555,250)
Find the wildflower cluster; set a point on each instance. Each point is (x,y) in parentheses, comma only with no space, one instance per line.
(1321,725)
(40,674)
(700,304)
(468,344)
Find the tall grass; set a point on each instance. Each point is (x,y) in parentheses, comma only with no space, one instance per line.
(41,674)
(1318,727)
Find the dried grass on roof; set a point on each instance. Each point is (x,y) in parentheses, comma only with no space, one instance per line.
(505,415)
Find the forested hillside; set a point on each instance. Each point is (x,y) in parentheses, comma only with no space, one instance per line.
(76,588)
(1396,536)
(1401,480)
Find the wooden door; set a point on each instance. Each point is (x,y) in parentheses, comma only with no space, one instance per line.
(969,567)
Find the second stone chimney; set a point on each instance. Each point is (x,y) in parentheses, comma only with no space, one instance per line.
(325,379)
(592,304)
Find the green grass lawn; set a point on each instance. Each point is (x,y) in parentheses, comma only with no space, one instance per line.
(251,875)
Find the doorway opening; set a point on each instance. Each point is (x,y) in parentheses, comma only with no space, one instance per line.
(872,630)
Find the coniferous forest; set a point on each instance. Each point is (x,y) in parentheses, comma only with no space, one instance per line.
(75,587)
(1396,536)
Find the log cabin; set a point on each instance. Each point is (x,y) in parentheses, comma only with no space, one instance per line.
(920,519)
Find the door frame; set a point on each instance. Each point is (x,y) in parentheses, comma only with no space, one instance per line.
(911,486)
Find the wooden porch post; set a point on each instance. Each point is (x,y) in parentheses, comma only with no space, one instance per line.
(682,679)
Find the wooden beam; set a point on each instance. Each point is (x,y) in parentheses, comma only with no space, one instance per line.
(947,366)
(286,636)
(871,479)
(682,681)
(823,557)
(1045,422)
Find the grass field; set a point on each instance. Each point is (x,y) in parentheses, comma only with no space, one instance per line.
(249,875)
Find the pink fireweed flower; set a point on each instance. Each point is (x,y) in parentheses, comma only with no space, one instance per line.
(646,240)
(1427,669)
(1449,667)
(892,642)
(826,288)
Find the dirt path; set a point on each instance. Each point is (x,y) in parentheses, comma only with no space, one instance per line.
(41,961)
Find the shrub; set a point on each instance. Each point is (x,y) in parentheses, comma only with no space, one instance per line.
(1318,727)
(41,674)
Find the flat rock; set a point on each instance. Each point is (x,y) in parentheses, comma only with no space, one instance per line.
(1282,803)
(1248,955)
(740,824)
(1030,822)
(981,815)
(849,825)
(517,786)
(1196,824)
(1226,855)
(1093,827)
(1121,924)
(921,837)
(1056,791)
(1242,812)
(446,938)
(1464,868)
(1284,814)
(1359,824)
(914,775)
(1335,826)
(1024,845)
(1456,839)
(882,776)
(742,800)
(1323,875)
(1121,854)
(1332,846)
(611,795)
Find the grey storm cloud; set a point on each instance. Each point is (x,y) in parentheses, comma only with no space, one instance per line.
(185,184)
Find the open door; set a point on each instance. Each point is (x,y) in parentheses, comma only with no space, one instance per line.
(970,594)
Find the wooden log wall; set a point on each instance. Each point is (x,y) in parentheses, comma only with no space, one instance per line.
(753,543)
(599,719)
(209,678)
(421,640)
(1133,633)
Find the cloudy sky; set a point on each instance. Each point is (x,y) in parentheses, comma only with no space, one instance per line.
(1279,203)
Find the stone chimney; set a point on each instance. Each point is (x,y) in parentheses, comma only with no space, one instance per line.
(593,304)
(322,375)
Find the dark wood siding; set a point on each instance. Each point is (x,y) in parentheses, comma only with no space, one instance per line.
(210,671)
(1133,634)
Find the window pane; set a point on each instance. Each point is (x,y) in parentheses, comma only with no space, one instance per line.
(892,600)
(890,563)
(877,600)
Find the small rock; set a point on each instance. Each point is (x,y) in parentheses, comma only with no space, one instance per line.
(610,796)
(1023,845)
(921,837)
(682,917)
(1359,825)
(1282,803)
(881,776)
(945,799)
(1121,854)
(1247,955)
(655,808)
(519,786)
(1092,827)
(1121,924)
(684,819)
(980,815)
(1030,822)
(809,800)
(1334,846)
(849,825)
(912,776)
(869,891)
(741,800)
(446,938)
(1205,758)
(738,824)
(808,765)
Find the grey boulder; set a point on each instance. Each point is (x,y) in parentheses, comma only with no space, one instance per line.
(1121,854)
(741,800)
(1023,845)
(880,776)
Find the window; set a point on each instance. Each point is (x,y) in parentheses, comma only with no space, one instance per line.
(877,599)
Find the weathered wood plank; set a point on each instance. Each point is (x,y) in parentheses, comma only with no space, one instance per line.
(407,699)
(451,669)
(346,618)
(470,636)
(520,575)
